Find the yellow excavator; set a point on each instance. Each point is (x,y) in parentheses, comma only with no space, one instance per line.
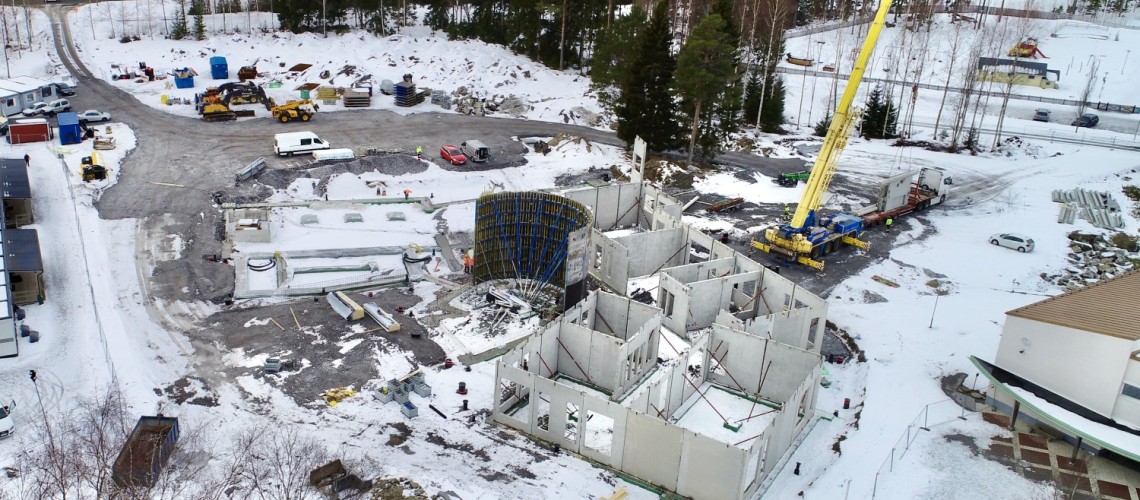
(294,110)
(809,235)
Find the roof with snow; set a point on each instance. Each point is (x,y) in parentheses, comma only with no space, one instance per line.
(1063,414)
(1108,308)
(21,84)
(14,179)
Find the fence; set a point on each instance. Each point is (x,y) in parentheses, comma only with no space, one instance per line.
(970,9)
(1100,106)
(931,415)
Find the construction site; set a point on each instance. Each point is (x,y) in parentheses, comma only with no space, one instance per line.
(331,252)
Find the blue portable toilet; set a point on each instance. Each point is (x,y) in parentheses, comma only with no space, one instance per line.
(184,78)
(69,131)
(219,70)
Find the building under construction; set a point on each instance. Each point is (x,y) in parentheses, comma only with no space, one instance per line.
(716,416)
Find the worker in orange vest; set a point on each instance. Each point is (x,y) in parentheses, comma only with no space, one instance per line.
(407,193)
(467,264)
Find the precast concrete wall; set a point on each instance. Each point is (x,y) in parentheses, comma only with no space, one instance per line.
(710,469)
(652,450)
(654,250)
(792,418)
(613,205)
(609,262)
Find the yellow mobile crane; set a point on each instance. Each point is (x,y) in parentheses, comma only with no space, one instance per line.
(809,236)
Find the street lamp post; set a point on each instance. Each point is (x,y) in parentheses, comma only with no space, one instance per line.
(1125,65)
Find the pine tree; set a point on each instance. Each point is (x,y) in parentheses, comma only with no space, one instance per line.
(727,107)
(436,17)
(199,21)
(646,107)
(879,119)
(178,30)
(704,68)
(752,90)
(772,113)
(822,126)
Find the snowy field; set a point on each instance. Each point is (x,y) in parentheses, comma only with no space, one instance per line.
(244,39)
(912,337)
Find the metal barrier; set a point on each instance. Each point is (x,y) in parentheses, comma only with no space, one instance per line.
(931,415)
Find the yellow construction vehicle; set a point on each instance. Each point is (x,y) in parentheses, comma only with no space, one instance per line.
(294,110)
(809,236)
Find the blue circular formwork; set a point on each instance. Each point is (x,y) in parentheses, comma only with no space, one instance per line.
(534,236)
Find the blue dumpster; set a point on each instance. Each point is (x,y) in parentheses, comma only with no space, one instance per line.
(69,132)
(219,70)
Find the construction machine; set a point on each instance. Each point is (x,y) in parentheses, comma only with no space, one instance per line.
(214,104)
(294,110)
(810,235)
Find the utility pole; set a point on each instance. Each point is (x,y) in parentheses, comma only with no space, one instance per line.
(324,27)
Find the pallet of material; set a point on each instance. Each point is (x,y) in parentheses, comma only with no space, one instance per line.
(327,93)
(105,143)
(344,306)
(354,99)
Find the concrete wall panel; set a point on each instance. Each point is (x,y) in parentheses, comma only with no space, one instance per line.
(709,469)
(653,250)
(652,450)
(609,261)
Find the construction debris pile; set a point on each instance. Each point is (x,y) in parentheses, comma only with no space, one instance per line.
(1094,258)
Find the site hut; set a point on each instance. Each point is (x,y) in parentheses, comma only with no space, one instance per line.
(1069,366)
(23,91)
(16,193)
(21,280)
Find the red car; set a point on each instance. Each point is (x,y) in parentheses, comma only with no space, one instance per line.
(453,155)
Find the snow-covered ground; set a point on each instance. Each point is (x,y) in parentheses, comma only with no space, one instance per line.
(434,61)
(911,335)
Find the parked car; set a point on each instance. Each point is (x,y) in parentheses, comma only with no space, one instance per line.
(1019,242)
(1041,115)
(7,425)
(453,155)
(57,106)
(1086,120)
(94,115)
(66,90)
(35,109)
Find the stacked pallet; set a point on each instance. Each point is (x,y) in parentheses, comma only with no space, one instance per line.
(355,99)
(406,95)
(327,95)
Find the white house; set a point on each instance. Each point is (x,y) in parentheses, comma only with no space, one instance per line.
(1073,362)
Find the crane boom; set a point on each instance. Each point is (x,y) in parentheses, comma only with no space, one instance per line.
(840,129)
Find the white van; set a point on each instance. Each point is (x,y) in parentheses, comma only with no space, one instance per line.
(476,151)
(291,143)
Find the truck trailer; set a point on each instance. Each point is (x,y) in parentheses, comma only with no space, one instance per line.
(145,452)
(905,193)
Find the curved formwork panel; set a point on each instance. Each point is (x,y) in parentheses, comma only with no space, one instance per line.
(536,236)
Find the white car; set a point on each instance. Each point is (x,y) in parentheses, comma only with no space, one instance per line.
(7,426)
(35,109)
(1019,242)
(58,106)
(94,115)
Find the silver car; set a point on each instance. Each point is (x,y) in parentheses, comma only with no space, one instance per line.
(1019,242)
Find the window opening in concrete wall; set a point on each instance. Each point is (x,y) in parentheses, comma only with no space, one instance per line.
(1131,391)
(542,406)
(801,411)
(813,331)
(749,288)
(597,256)
(695,359)
(697,253)
(599,433)
(752,468)
(571,433)
(787,301)
(514,401)
(669,304)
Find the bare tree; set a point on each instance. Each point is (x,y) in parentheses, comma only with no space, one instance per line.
(282,460)
(956,42)
(1016,28)
(1090,85)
